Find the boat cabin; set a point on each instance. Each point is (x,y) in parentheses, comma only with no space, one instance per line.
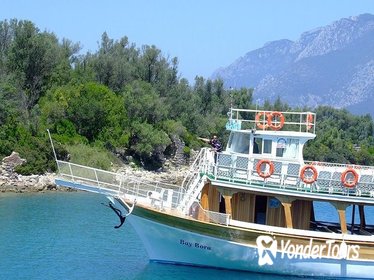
(262,177)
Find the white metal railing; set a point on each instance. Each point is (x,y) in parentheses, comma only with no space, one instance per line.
(197,166)
(198,212)
(267,120)
(111,181)
(287,175)
(158,194)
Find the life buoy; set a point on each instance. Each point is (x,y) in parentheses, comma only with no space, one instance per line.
(309,122)
(263,174)
(261,124)
(308,180)
(349,183)
(278,125)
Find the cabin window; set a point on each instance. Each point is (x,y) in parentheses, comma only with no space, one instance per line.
(267,146)
(262,146)
(287,148)
(257,145)
(239,143)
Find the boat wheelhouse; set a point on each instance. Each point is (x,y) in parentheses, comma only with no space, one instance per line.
(250,207)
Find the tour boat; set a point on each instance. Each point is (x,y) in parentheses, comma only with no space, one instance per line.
(250,207)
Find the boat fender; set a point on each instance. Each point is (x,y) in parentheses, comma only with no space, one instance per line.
(349,183)
(260,123)
(272,116)
(308,168)
(265,174)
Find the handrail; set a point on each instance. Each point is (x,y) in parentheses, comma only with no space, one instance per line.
(287,175)
(259,119)
(111,183)
(195,167)
(212,216)
(339,165)
(102,178)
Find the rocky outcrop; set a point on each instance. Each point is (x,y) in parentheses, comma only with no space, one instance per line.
(11,181)
(171,174)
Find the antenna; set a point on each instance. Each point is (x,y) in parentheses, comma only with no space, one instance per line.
(53,149)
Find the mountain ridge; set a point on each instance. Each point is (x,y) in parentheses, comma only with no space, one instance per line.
(331,65)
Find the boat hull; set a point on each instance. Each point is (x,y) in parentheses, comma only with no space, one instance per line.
(173,244)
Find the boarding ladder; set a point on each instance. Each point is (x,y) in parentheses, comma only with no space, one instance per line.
(194,181)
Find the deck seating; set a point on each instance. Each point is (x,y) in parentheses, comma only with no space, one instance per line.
(365,184)
(240,170)
(292,175)
(254,174)
(323,181)
(224,166)
(277,175)
(336,184)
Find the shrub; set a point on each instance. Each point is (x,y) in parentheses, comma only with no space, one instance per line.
(96,157)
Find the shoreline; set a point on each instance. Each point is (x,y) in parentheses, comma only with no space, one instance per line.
(12,182)
(19,184)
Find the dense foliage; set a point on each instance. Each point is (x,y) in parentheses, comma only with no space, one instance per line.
(127,101)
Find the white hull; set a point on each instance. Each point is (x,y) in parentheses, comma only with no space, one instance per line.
(268,194)
(172,245)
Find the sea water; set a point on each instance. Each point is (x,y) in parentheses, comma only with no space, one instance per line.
(72,236)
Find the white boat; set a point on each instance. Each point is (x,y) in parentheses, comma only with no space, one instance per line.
(251,207)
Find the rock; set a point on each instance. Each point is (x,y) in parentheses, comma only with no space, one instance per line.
(13,160)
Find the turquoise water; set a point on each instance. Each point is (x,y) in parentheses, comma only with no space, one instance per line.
(71,236)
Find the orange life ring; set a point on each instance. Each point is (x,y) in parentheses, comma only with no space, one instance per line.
(279,125)
(263,174)
(309,122)
(261,124)
(309,180)
(346,183)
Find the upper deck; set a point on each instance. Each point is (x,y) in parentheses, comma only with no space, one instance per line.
(265,151)
(271,121)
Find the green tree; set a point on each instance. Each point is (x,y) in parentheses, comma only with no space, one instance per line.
(148,144)
(31,59)
(115,62)
(143,103)
(91,108)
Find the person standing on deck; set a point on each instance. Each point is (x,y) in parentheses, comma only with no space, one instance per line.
(215,144)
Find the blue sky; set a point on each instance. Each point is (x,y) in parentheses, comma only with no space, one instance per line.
(203,34)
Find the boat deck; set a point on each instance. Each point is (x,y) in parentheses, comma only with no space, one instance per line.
(239,171)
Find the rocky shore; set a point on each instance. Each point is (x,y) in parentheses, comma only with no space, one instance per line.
(10,181)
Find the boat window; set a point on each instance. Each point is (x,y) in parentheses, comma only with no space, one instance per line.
(260,209)
(262,146)
(267,146)
(325,212)
(239,143)
(287,148)
(257,145)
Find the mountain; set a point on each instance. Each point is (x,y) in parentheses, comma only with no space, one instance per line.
(331,65)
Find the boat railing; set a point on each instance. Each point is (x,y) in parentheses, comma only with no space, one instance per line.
(107,181)
(159,195)
(321,164)
(244,119)
(199,213)
(198,164)
(330,178)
